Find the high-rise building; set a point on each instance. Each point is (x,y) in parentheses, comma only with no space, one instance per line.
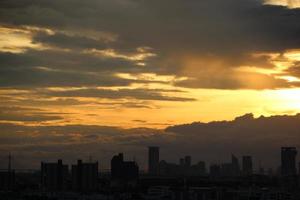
(247,165)
(235,165)
(7,180)
(54,176)
(261,171)
(181,162)
(7,177)
(123,170)
(85,176)
(116,166)
(199,169)
(288,161)
(227,170)
(188,161)
(215,170)
(153,162)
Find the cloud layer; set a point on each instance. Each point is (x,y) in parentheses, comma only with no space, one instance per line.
(213,142)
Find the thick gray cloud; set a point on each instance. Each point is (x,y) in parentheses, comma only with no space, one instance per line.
(213,142)
(70,42)
(27,114)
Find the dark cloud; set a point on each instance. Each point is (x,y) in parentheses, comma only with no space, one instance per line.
(141,94)
(26,114)
(230,31)
(45,69)
(215,141)
(69,42)
(40,77)
(261,136)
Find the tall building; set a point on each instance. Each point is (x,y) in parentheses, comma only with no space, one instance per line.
(188,161)
(153,162)
(198,169)
(123,170)
(235,165)
(85,176)
(227,170)
(7,177)
(7,180)
(181,162)
(288,161)
(54,176)
(247,165)
(116,166)
(215,170)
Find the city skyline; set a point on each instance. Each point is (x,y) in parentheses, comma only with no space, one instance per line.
(243,165)
(162,180)
(150,99)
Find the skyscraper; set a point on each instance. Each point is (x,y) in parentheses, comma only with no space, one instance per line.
(153,162)
(235,165)
(181,162)
(288,161)
(188,161)
(54,176)
(247,165)
(215,170)
(123,170)
(85,176)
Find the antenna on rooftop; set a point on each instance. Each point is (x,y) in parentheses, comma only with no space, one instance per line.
(9,162)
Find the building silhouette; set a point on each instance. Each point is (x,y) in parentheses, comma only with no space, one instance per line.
(7,180)
(153,160)
(247,165)
(181,162)
(85,176)
(198,169)
(288,161)
(54,176)
(188,161)
(123,170)
(227,170)
(235,165)
(215,170)
(7,177)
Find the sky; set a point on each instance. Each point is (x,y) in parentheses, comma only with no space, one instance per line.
(118,73)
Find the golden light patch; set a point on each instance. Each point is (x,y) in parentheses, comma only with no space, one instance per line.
(293,55)
(290,78)
(149,77)
(15,40)
(287,3)
(285,100)
(282,62)
(141,54)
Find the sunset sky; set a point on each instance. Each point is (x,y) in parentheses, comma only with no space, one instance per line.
(132,64)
